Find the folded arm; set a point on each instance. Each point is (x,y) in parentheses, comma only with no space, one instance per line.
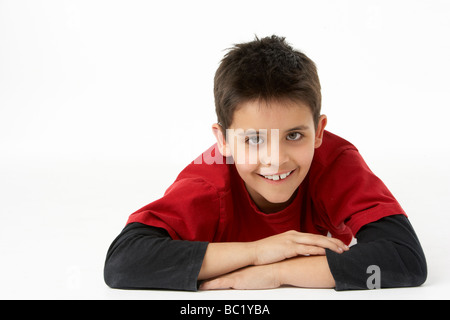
(146,257)
(388,246)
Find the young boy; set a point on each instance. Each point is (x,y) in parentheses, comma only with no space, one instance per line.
(254,210)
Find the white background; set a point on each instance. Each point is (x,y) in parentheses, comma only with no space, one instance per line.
(102,103)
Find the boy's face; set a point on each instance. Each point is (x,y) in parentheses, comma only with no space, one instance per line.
(272,146)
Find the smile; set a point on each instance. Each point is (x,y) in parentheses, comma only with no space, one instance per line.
(276,177)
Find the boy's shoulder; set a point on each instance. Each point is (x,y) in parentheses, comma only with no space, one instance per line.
(332,147)
(209,168)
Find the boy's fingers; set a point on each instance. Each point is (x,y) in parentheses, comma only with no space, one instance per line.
(311,250)
(215,284)
(322,241)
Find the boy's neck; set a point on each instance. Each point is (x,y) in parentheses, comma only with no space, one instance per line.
(270,207)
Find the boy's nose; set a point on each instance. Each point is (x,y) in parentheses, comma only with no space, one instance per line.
(275,157)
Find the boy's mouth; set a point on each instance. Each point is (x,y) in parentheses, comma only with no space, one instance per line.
(277,177)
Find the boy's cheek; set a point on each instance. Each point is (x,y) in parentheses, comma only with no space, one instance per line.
(245,156)
(251,161)
(246,171)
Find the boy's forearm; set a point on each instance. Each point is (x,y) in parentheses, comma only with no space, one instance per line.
(305,272)
(222,258)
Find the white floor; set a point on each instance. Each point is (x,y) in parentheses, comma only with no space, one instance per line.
(99,112)
(58,219)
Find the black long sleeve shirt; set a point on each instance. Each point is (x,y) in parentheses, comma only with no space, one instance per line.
(145,257)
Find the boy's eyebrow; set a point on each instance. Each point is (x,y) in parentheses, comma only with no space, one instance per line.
(301,127)
(246,132)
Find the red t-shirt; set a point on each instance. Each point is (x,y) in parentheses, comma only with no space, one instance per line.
(209,202)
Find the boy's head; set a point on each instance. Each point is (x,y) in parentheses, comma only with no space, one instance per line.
(266,69)
(268,107)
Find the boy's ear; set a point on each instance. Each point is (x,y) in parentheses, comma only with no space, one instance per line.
(319,132)
(221,140)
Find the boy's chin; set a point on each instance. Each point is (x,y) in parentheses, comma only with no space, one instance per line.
(277,200)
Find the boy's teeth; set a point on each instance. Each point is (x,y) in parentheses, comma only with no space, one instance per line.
(278,177)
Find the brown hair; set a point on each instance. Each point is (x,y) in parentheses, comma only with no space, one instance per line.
(265,69)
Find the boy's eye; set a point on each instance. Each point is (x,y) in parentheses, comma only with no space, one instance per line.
(293,136)
(254,140)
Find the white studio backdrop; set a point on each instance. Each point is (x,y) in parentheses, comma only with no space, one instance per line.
(102,103)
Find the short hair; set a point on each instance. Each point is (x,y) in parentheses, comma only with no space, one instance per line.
(266,69)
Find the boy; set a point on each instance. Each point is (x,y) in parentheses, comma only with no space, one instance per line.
(254,211)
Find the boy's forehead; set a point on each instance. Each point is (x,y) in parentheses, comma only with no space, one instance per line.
(275,115)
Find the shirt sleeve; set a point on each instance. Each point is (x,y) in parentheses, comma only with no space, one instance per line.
(189,210)
(349,195)
(145,257)
(388,247)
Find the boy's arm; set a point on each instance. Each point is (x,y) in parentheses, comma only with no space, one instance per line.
(222,258)
(388,255)
(389,244)
(144,257)
(305,272)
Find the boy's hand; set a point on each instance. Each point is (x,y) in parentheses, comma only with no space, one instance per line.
(306,272)
(292,243)
(253,277)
